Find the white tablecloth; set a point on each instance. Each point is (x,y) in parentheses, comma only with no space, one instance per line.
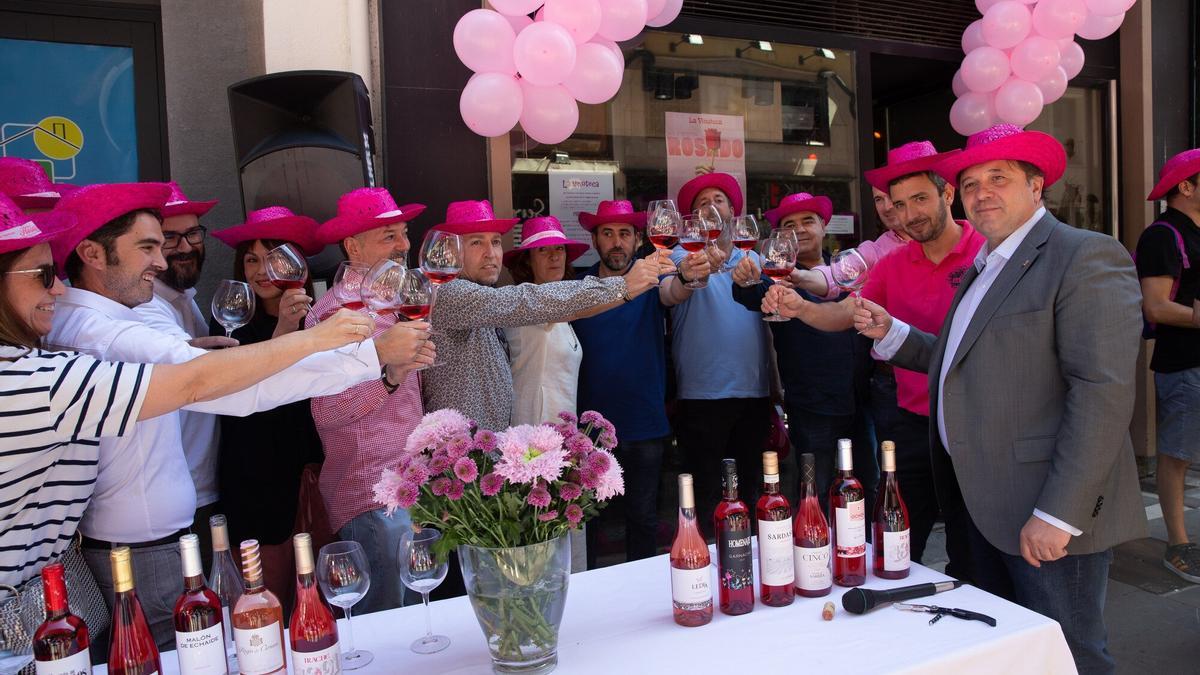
(618,620)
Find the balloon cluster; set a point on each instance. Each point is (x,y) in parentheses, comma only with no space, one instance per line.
(535,70)
(1021,54)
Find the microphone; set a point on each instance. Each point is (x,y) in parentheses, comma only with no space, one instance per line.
(863,600)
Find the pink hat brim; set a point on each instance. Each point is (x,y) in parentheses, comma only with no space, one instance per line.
(197,209)
(1039,149)
(722,181)
(590,221)
(1164,185)
(881,178)
(132,197)
(35,201)
(820,205)
(338,228)
(574,249)
(50,225)
(497,225)
(299,230)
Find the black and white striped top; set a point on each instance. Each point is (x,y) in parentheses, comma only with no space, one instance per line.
(54,406)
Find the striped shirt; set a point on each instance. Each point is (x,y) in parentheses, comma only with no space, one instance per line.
(55,408)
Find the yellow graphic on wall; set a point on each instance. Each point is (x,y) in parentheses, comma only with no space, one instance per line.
(58,138)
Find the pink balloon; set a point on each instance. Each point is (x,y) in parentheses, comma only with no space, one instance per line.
(549,114)
(611,46)
(1058,18)
(597,75)
(1098,27)
(985,69)
(654,8)
(670,12)
(515,7)
(972,113)
(1053,87)
(491,103)
(1109,7)
(1072,60)
(958,85)
(1064,43)
(1018,102)
(984,5)
(1035,58)
(1006,24)
(622,19)
(972,37)
(519,22)
(483,40)
(581,18)
(544,53)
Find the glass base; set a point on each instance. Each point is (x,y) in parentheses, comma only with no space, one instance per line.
(775,317)
(356,659)
(430,644)
(538,667)
(696,284)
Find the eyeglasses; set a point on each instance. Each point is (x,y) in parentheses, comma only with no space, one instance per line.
(194,236)
(47,272)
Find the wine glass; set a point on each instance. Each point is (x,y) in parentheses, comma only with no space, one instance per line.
(779,253)
(441,256)
(849,270)
(657,205)
(663,229)
(422,571)
(745,233)
(415,301)
(347,284)
(286,267)
(233,305)
(345,577)
(693,237)
(382,286)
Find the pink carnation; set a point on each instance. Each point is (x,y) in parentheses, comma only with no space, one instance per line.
(486,440)
(539,497)
(455,491)
(440,486)
(529,453)
(466,470)
(548,516)
(574,514)
(435,429)
(491,484)
(612,482)
(569,492)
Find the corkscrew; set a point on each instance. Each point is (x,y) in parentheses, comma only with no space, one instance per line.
(939,612)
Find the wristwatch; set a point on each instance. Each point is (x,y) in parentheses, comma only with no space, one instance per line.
(679,273)
(391,388)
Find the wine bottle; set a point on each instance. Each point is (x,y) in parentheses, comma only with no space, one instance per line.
(131,649)
(199,634)
(890,521)
(776,569)
(313,629)
(257,620)
(735,557)
(848,522)
(226,581)
(811,536)
(60,644)
(691,589)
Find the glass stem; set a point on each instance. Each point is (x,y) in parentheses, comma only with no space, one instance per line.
(349,631)
(428,617)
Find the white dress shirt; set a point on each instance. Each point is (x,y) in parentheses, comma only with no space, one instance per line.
(545,360)
(988,264)
(176,313)
(144,490)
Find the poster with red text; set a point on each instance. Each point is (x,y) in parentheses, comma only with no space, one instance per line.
(699,144)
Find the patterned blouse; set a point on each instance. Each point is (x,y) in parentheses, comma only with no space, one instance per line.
(475,378)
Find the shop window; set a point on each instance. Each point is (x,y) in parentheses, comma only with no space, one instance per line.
(1082,196)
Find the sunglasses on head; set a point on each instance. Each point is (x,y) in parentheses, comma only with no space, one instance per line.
(47,272)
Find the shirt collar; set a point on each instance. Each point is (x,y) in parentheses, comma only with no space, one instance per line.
(170,294)
(1009,246)
(94,301)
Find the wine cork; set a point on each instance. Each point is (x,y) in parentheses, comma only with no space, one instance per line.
(827,611)
(770,463)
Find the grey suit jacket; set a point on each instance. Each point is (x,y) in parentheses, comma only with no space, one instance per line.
(1040,394)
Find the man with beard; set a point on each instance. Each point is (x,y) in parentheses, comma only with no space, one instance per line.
(916,282)
(623,375)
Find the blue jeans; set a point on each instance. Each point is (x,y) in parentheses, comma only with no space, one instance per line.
(379,536)
(1069,590)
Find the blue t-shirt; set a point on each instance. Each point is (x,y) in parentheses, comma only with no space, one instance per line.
(623,375)
(719,348)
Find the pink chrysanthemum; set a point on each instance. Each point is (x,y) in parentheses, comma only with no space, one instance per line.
(485,440)
(458,447)
(385,490)
(440,486)
(539,497)
(416,473)
(608,441)
(407,495)
(455,491)
(612,482)
(598,461)
(568,417)
(589,479)
(569,492)
(574,514)
(548,516)
(491,484)
(435,429)
(439,464)
(529,453)
(590,417)
(466,470)
(579,445)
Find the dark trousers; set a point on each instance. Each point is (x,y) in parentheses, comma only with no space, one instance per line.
(819,434)
(885,413)
(914,473)
(642,465)
(711,430)
(1069,590)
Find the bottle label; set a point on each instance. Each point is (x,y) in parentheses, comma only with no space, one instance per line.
(812,568)
(690,589)
(895,551)
(775,552)
(851,530)
(79,663)
(736,559)
(201,651)
(259,650)
(770,478)
(324,662)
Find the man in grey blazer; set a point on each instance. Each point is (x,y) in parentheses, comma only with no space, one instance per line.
(1032,390)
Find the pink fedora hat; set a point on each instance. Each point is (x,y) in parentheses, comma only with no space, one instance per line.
(26,183)
(275,222)
(472,217)
(619,211)
(801,201)
(19,230)
(179,205)
(365,209)
(545,231)
(1007,142)
(1177,169)
(722,181)
(910,158)
(94,205)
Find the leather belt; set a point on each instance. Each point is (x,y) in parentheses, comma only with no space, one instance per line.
(172,538)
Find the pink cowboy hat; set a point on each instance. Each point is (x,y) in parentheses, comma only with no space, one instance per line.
(94,205)
(179,205)
(275,222)
(801,201)
(910,158)
(1177,169)
(19,230)
(473,217)
(26,183)
(619,211)
(545,231)
(1007,142)
(365,209)
(722,181)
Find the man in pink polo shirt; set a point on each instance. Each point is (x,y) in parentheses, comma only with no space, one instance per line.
(916,281)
